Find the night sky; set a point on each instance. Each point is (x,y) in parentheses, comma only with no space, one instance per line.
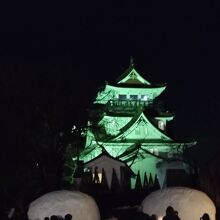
(56,55)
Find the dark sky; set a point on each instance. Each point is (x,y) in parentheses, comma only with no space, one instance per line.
(58,54)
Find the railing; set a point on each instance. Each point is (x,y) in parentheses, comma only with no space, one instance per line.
(131,103)
(127,105)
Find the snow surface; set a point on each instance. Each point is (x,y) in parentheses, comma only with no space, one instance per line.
(190,203)
(79,205)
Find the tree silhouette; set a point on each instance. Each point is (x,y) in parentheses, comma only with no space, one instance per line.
(104,184)
(138,185)
(146,183)
(115,185)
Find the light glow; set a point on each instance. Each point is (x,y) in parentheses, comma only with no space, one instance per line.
(99,176)
(144,97)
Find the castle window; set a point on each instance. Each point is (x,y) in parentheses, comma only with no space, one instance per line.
(161,125)
(144,97)
(133,97)
(122,97)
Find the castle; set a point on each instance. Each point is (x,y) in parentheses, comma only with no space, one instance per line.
(127,135)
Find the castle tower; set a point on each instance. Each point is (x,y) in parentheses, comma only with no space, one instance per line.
(127,125)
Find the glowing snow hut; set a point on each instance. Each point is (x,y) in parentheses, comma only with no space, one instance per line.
(60,203)
(190,203)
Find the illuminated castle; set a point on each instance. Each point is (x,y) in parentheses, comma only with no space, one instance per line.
(126,130)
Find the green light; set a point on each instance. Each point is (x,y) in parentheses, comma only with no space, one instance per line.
(127,133)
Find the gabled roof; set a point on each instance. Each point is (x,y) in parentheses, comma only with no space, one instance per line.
(153,132)
(131,76)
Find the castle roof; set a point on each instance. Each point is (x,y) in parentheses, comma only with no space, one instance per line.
(140,119)
(154,135)
(131,77)
(105,156)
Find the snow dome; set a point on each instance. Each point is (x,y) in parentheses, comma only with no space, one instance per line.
(190,203)
(79,205)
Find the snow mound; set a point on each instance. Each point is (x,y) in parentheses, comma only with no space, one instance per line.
(79,205)
(190,203)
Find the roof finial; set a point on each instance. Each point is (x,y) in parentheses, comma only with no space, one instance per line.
(131,61)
